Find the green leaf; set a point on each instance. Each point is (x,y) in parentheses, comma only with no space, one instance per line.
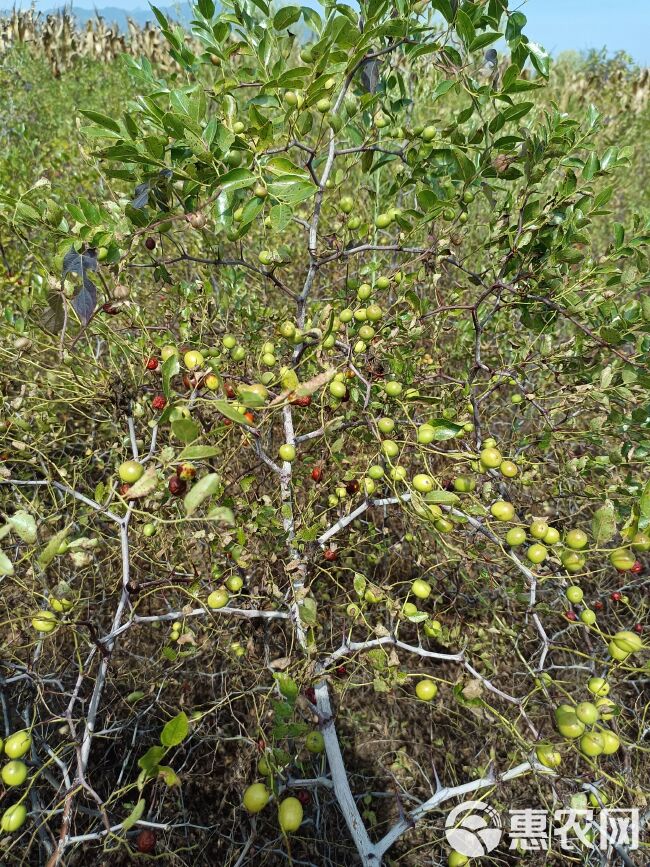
(101,120)
(175,731)
(236,179)
(206,8)
(603,523)
(444,429)
(644,507)
(226,409)
(280,217)
(445,498)
(203,489)
(465,28)
(170,368)
(591,166)
(291,190)
(286,17)
(186,430)
(223,515)
(197,453)
(23,525)
(484,39)
(136,814)
(539,57)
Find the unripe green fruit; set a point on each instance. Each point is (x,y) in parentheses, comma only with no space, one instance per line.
(315,742)
(376,471)
(218,599)
(386,425)
(536,553)
(432,628)
(346,315)
(290,815)
(570,726)
(428,133)
(574,594)
(442,525)
(14,773)
(238,353)
(130,471)
(265,257)
(337,389)
(287,329)
(374,312)
(576,539)
(368,486)
(490,457)
(622,559)
(548,756)
(598,686)
(409,609)
(390,448)
(148,530)
(641,542)
(508,469)
(383,221)
(287,452)
(256,797)
(502,510)
(382,283)
(346,204)
(426,690)
(193,359)
(44,621)
(421,588)
(18,744)
(366,332)
(587,713)
(454,859)
(538,529)
(364,291)
(361,314)
(572,561)
(628,642)
(516,536)
(588,617)
(592,744)
(268,359)
(323,105)
(398,474)
(611,742)
(13,818)
(464,484)
(393,388)
(551,536)
(229,341)
(423,483)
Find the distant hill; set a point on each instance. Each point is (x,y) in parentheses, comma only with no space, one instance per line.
(139,12)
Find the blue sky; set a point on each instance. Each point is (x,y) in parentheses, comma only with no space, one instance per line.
(559,25)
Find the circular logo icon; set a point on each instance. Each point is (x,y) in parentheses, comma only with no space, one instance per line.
(473,828)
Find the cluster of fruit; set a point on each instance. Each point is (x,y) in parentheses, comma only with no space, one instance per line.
(14,773)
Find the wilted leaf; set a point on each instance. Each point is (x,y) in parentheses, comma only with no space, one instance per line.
(473,689)
(52,548)
(6,566)
(84,300)
(222,514)
(203,489)
(603,524)
(168,775)
(24,525)
(145,485)
(175,731)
